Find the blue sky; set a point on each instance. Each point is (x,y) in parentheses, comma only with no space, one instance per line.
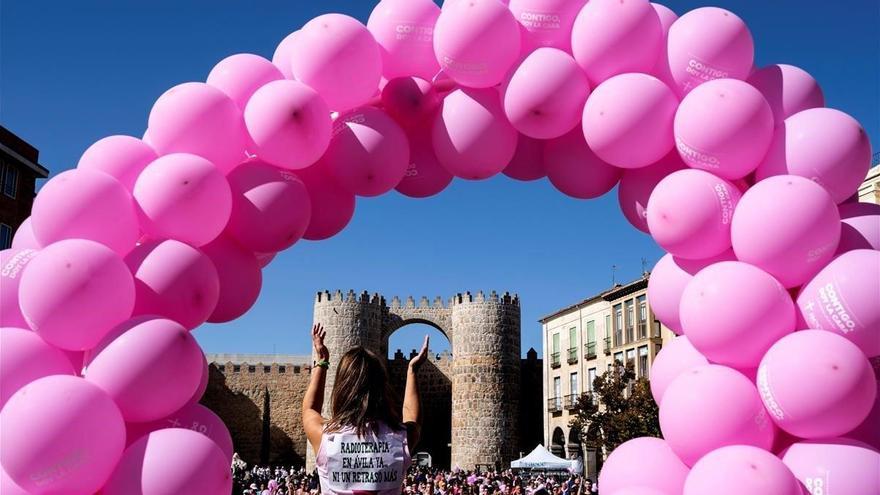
(72,72)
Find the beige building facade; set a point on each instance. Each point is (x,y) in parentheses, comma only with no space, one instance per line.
(869,191)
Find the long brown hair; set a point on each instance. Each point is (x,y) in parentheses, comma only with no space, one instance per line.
(362,394)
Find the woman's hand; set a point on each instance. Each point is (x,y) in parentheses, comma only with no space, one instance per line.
(416,362)
(318,334)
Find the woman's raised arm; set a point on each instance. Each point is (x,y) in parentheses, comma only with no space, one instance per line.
(313,401)
(412,414)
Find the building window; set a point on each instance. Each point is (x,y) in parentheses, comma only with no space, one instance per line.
(643,361)
(282,369)
(618,325)
(296,369)
(631,358)
(590,346)
(252,369)
(630,321)
(607,347)
(643,317)
(557,392)
(5,236)
(10,180)
(591,377)
(618,357)
(573,383)
(554,354)
(572,345)
(236,368)
(267,369)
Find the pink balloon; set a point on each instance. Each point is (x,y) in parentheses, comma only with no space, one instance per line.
(336,55)
(636,186)
(476,42)
(574,169)
(610,37)
(732,312)
(24,237)
(283,53)
(643,462)
(151,370)
(825,396)
(25,357)
(203,383)
(240,75)
(199,119)
(706,44)
(674,359)
(544,96)
(270,207)
(74,292)
(725,127)
(713,406)
(264,258)
(173,280)
(332,206)
(791,241)
(661,66)
(842,298)
(869,430)
(546,22)
(12,264)
(737,469)
(821,144)
(171,460)
(690,212)
(627,121)
(61,434)
(183,197)
(85,204)
(289,124)
(837,466)
(404,31)
(788,90)
(195,417)
(472,137)
(369,153)
(121,157)
(8,486)
(527,163)
(240,279)
(860,226)
(424,176)
(410,101)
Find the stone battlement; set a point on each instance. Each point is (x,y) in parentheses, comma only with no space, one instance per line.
(410,303)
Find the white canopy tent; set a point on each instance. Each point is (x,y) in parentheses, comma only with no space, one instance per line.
(543,459)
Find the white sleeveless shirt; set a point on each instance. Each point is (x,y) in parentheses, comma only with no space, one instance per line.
(376,464)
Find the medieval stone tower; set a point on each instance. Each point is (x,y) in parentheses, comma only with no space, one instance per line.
(484,333)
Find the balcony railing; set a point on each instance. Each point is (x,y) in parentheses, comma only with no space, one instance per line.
(590,350)
(572,355)
(554,360)
(554,404)
(607,347)
(571,401)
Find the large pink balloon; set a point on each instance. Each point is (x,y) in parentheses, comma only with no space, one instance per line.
(869,430)
(289,124)
(411,101)
(546,22)
(240,75)
(200,119)
(544,96)
(690,212)
(61,434)
(270,207)
(332,206)
(195,417)
(24,237)
(74,292)
(85,204)
(151,369)
(732,312)
(788,90)
(25,357)
(404,30)
(184,197)
(527,163)
(821,144)
(627,121)
(661,67)
(643,462)
(283,53)
(203,382)
(737,469)
(725,127)
(791,241)
(842,298)
(706,44)
(121,157)
(826,396)
(10,487)
(860,226)
(240,279)
(336,55)
(837,466)
(611,37)
(476,42)
(12,264)
(369,153)
(674,359)
(712,406)
(472,137)
(636,186)
(424,176)
(574,169)
(173,280)
(171,460)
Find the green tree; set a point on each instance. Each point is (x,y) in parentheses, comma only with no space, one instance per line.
(621,408)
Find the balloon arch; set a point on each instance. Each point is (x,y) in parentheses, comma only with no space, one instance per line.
(739,173)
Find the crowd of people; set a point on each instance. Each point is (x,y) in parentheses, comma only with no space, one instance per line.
(262,480)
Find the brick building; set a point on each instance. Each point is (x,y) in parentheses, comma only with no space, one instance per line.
(19,171)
